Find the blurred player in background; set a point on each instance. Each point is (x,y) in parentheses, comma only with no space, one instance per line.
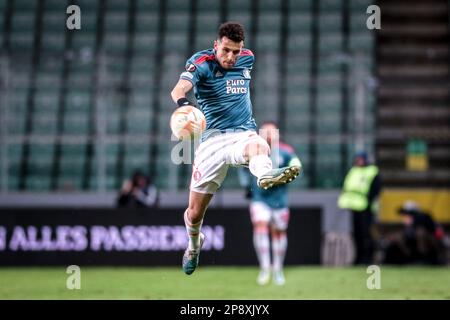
(269,209)
(221,77)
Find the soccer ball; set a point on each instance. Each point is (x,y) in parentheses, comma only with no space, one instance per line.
(187,123)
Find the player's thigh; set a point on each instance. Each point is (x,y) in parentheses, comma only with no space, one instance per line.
(208,179)
(259,213)
(280,219)
(209,168)
(247,144)
(255,145)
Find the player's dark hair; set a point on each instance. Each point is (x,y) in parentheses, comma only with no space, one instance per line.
(232,30)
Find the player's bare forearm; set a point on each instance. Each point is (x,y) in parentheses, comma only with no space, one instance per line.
(180,90)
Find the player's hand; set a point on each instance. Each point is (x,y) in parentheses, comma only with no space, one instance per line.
(127,186)
(196,127)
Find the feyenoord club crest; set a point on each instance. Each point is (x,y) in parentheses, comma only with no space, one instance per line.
(190,68)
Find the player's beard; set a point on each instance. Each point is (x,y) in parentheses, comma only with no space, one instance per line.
(228,64)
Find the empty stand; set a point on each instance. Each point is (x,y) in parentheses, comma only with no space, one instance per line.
(87,107)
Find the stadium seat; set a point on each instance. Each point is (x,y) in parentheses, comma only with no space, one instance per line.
(76,122)
(362,42)
(177,5)
(298,124)
(24,5)
(298,101)
(46,101)
(330,22)
(147,21)
(78,100)
(136,158)
(110,157)
(300,23)
(206,26)
(142,74)
(177,30)
(39,167)
(167,174)
(23,22)
(147,6)
(360,5)
(116,22)
(139,121)
(53,43)
(300,6)
(330,6)
(330,43)
(145,44)
(16,122)
(115,43)
(117,5)
(71,167)
(141,98)
(83,43)
(175,41)
(56,5)
(37,183)
(243,17)
(87,4)
(88,23)
(208,6)
(48,79)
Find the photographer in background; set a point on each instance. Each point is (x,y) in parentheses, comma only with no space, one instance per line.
(422,240)
(138,192)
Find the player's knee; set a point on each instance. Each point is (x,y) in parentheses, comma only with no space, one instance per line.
(277,233)
(261,227)
(195,213)
(256,148)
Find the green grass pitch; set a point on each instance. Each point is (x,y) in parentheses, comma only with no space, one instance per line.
(302,282)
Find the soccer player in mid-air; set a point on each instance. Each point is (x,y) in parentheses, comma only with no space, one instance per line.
(221,77)
(269,210)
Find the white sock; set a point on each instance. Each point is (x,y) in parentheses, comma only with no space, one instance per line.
(193,231)
(279,246)
(262,248)
(260,164)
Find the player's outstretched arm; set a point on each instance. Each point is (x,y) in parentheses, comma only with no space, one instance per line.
(179,92)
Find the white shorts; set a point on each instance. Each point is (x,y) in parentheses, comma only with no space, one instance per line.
(277,218)
(214,156)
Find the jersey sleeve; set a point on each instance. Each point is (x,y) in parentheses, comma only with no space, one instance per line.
(246,59)
(194,72)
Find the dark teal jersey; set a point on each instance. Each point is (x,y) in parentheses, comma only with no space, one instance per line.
(275,197)
(223,95)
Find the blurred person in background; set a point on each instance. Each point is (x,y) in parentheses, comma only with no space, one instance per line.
(359,195)
(269,210)
(138,191)
(421,241)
